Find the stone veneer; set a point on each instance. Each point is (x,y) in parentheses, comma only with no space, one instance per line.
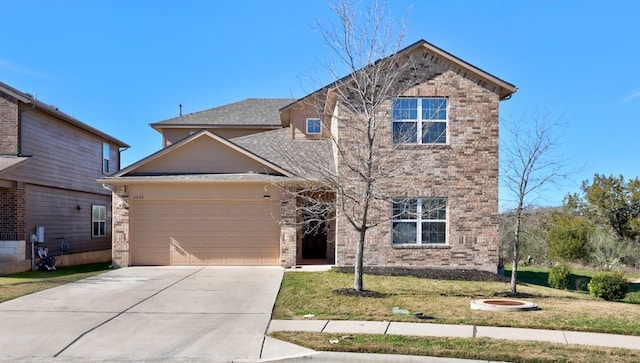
(288,230)
(120,227)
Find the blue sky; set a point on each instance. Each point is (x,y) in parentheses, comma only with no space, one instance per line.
(120,65)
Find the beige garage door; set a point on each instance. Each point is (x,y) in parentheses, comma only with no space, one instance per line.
(205,233)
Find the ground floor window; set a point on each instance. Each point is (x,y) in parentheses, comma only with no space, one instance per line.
(419,221)
(99,221)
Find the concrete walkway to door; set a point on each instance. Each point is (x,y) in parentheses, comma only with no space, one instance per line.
(177,314)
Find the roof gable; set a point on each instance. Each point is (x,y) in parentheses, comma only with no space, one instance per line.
(202,153)
(502,88)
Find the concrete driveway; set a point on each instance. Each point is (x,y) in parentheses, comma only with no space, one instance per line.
(213,314)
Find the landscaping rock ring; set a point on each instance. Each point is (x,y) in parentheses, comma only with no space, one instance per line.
(502,305)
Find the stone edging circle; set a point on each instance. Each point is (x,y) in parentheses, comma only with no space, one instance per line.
(502,305)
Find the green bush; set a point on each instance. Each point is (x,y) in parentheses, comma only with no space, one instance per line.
(609,285)
(560,277)
(567,237)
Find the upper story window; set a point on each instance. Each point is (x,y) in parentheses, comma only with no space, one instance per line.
(420,120)
(98,221)
(106,151)
(419,221)
(314,126)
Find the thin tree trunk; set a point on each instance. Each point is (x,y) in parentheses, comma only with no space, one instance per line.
(357,283)
(516,252)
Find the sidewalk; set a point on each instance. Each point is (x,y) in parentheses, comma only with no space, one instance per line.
(275,350)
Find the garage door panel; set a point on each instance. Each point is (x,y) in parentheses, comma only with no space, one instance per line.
(211,233)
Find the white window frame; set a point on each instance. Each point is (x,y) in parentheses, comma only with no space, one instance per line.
(418,220)
(313,132)
(421,122)
(106,154)
(98,219)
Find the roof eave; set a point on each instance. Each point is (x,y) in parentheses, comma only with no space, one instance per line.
(506,88)
(53,111)
(159,127)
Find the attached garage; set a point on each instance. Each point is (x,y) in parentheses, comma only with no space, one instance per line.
(204,224)
(206,233)
(200,202)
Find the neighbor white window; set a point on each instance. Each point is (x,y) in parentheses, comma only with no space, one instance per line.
(98,221)
(106,151)
(420,120)
(314,126)
(419,221)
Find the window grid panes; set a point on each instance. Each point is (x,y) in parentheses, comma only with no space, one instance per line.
(419,221)
(98,221)
(420,120)
(314,126)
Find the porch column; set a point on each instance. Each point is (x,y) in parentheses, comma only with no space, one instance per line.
(288,230)
(120,220)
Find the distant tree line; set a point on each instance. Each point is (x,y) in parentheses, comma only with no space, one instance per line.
(600,227)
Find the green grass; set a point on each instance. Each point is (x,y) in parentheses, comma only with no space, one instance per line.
(448,302)
(23,283)
(473,348)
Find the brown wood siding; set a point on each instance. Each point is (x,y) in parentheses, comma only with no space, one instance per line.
(57,210)
(63,156)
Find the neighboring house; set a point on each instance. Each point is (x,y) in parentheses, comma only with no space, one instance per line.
(214,194)
(49,162)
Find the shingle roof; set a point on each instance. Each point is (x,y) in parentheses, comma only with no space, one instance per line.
(305,158)
(250,112)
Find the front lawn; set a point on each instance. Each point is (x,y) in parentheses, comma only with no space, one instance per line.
(448,302)
(23,283)
(477,348)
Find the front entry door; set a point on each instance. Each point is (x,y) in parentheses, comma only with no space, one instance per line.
(314,242)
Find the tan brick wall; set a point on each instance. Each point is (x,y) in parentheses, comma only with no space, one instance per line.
(465,171)
(9,142)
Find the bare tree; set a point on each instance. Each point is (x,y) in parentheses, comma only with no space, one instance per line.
(349,174)
(529,165)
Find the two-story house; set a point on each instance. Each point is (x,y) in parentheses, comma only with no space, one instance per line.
(49,162)
(220,190)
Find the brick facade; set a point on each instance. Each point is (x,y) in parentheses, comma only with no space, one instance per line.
(465,171)
(12,213)
(9,125)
